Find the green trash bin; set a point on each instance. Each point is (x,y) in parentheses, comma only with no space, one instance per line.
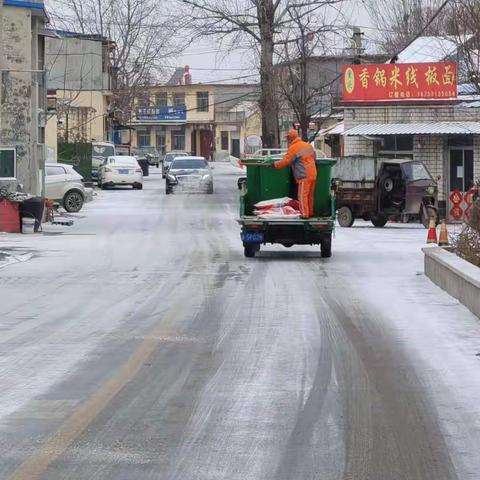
(322,206)
(265,183)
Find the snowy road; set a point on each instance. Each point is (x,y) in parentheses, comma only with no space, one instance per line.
(141,344)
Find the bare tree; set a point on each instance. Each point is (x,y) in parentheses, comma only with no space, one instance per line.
(307,37)
(464,23)
(263,23)
(137,43)
(399,22)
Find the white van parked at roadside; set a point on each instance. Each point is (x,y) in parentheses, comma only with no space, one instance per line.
(120,170)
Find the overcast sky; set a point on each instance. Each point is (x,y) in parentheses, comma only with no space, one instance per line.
(211,62)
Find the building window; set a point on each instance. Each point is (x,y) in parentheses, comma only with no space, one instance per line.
(178,99)
(202,101)
(143,138)
(397,146)
(143,101)
(178,140)
(161,99)
(224,141)
(41,134)
(8,164)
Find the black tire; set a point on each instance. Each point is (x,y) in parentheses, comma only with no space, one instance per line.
(326,247)
(157,165)
(73,201)
(138,186)
(168,191)
(345,217)
(379,221)
(249,250)
(387,184)
(103,186)
(425,217)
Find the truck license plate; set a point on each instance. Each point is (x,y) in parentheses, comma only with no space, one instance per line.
(252,237)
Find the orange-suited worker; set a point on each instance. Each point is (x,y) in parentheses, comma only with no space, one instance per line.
(301,157)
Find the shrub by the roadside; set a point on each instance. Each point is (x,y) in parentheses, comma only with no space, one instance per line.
(467,243)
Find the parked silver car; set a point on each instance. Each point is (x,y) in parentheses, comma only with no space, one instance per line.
(189,175)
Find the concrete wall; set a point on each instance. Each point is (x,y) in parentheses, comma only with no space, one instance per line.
(75,64)
(86,111)
(51,141)
(456,276)
(23,94)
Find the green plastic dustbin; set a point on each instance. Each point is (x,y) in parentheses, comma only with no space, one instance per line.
(265,183)
(322,191)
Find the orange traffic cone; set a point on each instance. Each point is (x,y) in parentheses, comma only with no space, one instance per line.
(443,238)
(432,232)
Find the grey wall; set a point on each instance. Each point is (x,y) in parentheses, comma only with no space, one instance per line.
(23,94)
(75,64)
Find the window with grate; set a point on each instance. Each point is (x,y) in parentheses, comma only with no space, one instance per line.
(161,99)
(224,140)
(202,101)
(143,138)
(397,146)
(178,99)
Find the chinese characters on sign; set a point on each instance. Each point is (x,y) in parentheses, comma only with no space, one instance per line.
(162,113)
(400,81)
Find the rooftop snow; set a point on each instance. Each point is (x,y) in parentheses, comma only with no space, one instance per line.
(432,128)
(429,49)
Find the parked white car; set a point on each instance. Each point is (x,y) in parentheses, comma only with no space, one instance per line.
(63,184)
(120,170)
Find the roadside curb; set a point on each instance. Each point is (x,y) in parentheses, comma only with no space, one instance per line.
(456,276)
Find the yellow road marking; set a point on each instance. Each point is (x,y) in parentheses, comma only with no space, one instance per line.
(55,446)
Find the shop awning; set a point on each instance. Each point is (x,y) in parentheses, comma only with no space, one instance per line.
(431,128)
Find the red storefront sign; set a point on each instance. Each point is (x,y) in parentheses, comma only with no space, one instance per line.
(400,81)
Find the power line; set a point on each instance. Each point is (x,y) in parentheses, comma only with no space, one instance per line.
(76,127)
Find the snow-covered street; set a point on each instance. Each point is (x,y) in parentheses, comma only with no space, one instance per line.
(141,344)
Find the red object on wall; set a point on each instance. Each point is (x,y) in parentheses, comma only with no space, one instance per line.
(456,212)
(456,197)
(393,82)
(9,217)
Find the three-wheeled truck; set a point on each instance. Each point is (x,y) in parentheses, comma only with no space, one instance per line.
(266,183)
(379,189)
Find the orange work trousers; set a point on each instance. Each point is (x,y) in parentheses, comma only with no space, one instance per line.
(306,194)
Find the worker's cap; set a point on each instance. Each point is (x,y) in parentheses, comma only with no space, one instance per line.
(292,135)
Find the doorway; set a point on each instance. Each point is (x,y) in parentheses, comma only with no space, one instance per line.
(206,143)
(236,147)
(461,169)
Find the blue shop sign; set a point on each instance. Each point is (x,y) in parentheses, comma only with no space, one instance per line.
(162,113)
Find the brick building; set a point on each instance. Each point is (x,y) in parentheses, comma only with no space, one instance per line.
(445,137)
(444,133)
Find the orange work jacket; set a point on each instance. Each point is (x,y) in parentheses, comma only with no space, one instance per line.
(301,157)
